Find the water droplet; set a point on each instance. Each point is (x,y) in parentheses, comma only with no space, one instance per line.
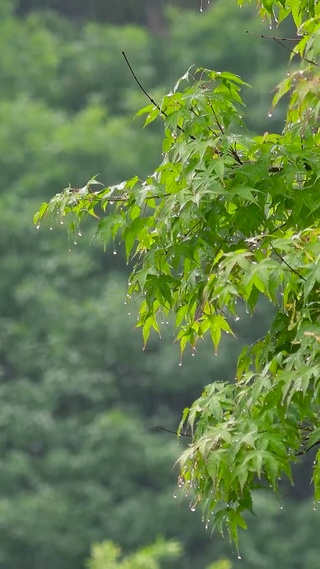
(79,233)
(75,242)
(180,364)
(270,114)
(69,250)
(61,221)
(174,495)
(237,318)
(193,508)
(239,557)
(281,507)
(38,226)
(129,313)
(114,252)
(51,228)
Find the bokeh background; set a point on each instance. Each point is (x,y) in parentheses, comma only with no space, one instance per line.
(80,458)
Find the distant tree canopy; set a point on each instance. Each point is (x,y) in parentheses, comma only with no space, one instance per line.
(144,12)
(228,217)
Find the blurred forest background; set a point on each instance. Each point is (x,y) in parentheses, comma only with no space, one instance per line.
(81,460)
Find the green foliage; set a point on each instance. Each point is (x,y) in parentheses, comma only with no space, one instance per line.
(227,218)
(106,555)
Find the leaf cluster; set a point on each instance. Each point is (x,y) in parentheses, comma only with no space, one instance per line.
(227,218)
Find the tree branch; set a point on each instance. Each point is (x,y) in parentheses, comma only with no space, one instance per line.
(172,432)
(147,94)
(280,40)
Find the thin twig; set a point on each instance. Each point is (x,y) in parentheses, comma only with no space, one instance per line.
(287,264)
(279,41)
(272,37)
(147,94)
(232,151)
(172,432)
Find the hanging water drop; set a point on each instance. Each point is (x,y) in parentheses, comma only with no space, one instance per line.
(79,233)
(180,364)
(114,252)
(193,508)
(51,228)
(38,226)
(61,221)
(174,495)
(239,557)
(270,114)
(75,242)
